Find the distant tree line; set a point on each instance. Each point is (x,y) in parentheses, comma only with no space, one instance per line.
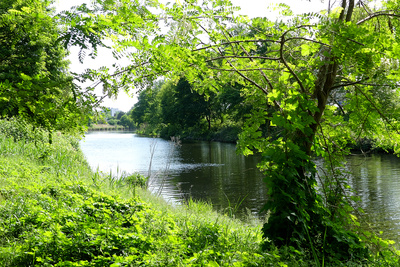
(119,118)
(175,109)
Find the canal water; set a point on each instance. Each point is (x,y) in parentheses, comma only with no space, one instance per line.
(214,172)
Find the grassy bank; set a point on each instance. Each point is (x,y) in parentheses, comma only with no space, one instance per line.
(54,211)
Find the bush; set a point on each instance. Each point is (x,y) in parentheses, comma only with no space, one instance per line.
(112,121)
(19,129)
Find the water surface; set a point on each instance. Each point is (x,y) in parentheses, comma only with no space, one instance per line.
(208,171)
(212,171)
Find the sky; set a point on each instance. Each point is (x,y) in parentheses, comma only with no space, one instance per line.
(251,8)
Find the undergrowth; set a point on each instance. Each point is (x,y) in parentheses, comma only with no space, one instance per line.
(55,211)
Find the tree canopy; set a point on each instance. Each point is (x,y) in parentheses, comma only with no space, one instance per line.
(35,82)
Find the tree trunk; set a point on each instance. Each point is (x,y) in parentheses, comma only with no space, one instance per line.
(297,213)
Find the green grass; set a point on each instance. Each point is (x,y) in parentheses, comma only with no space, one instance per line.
(54,211)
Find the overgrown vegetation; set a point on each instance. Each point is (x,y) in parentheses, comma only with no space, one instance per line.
(54,211)
(320,81)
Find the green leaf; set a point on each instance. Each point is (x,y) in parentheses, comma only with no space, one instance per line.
(25,77)
(305,50)
(212,264)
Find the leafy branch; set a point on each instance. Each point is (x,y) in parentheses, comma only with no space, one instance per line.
(388,13)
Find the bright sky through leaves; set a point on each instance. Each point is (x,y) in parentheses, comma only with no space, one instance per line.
(251,8)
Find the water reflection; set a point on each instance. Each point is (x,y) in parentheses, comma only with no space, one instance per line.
(208,171)
(213,172)
(376,180)
(223,178)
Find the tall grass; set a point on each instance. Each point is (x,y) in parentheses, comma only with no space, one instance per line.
(55,211)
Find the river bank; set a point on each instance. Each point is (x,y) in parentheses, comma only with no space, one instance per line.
(55,211)
(214,172)
(60,213)
(202,170)
(106,127)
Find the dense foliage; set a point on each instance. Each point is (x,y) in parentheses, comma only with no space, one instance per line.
(107,119)
(169,109)
(321,80)
(55,211)
(35,82)
(317,81)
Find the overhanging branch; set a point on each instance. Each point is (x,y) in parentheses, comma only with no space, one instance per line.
(287,65)
(256,69)
(309,40)
(348,84)
(378,14)
(235,42)
(376,108)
